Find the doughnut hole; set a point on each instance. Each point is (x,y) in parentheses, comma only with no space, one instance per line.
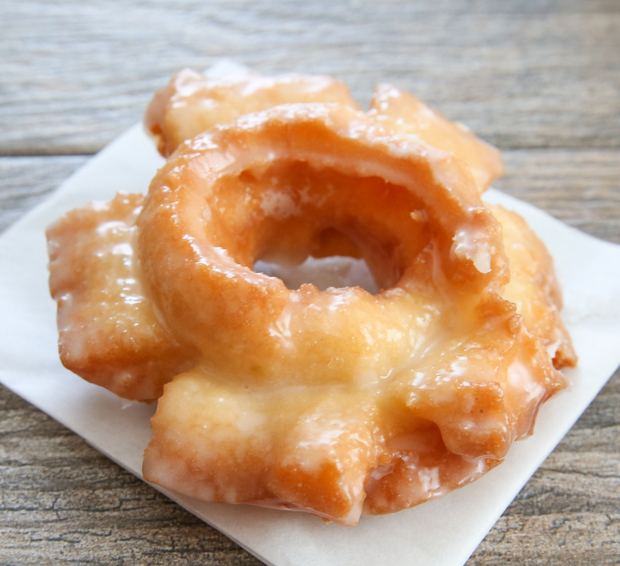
(291,211)
(335,271)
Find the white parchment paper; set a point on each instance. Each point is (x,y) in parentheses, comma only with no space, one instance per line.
(439,533)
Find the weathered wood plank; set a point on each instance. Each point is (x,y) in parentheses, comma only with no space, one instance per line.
(521,74)
(62,502)
(580,187)
(26,181)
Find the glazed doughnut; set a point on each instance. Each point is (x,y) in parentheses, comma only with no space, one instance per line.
(438,354)
(338,402)
(192,103)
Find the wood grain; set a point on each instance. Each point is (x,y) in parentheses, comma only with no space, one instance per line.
(540,79)
(26,181)
(521,74)
(579,187)
(63,502)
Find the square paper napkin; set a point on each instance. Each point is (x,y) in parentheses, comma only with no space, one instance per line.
(439,533)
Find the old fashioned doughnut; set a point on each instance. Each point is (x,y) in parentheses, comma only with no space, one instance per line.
(338,402)
(439,347)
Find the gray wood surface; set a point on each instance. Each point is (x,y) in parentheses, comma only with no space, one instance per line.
(539,79)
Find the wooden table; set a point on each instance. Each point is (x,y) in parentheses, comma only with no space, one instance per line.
(539,79)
